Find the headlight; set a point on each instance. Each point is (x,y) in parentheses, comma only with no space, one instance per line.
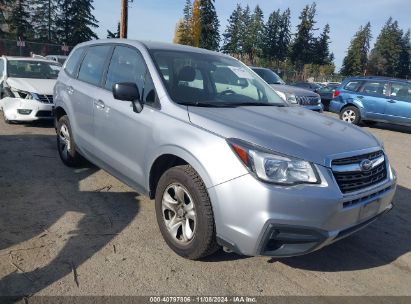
(287,97)
(274,168)
(23,94)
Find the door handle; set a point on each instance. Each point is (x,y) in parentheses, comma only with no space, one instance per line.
(70,90)
(391,101)
(99,104)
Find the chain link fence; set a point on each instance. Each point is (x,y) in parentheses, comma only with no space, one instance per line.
(11,47)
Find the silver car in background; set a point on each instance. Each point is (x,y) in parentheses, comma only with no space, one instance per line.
(228,162)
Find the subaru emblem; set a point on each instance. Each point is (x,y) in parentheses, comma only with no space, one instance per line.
(366,165)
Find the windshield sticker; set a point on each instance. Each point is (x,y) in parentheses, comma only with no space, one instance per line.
(240,72)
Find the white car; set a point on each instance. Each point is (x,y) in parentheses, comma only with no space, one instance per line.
(27,88)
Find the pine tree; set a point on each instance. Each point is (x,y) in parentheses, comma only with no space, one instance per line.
(284,35)
(210,36)
(271,35)
(355,62)
(321,47)
(20,20)
(45,20)
(246,43)
(185,31)
(232,34)
(405,57)
(115,34)
(76,21)
(255,34)
(385,57)
(302,48)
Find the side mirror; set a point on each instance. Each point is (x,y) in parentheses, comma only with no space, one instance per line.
(128,91)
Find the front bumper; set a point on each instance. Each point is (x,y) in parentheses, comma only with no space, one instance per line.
(255,218)
(28,110)
(317,107)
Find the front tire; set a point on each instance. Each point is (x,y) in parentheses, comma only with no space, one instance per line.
(66,145)
(351,115)
(184,213)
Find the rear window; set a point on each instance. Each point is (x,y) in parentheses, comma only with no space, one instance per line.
(353,85)
(73,62)
(401,91)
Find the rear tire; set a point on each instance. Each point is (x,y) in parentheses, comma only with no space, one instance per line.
(184,213)
(66,145)
(351,114)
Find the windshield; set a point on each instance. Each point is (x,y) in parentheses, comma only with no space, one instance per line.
(269,76)
(212,80)
(32,69)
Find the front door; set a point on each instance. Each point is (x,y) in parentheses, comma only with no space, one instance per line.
(122,135)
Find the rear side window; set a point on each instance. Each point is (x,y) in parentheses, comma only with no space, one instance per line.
(126,65)
(73,62)
(92,66)
(401,91)
(353,86)
(375,88)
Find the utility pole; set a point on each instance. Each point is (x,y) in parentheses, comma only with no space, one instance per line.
(124,19)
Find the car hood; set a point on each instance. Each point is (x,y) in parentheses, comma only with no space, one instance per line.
(292,90)
(38,86)
(293,131)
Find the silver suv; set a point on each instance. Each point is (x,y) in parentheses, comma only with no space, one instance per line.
(229,164)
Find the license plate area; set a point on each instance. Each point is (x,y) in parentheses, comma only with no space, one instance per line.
(369,210)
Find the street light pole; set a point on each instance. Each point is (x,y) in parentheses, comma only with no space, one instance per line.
(124,19)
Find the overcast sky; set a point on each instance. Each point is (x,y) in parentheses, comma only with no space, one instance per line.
(155,19)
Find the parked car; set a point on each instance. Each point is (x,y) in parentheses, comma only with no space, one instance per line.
(327,93)
(291,94)
(27,88)
(315,87)
(373,99)
(229,165)
(57,58)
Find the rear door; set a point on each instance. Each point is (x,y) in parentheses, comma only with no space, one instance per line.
(83,91)
(122,136)
(398,109)
(373,95)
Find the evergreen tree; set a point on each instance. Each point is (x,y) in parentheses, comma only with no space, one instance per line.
(45,20)
(272,36)
(255,34)
(20,20)
(321,47)
(246,44)
(284,35)
(233,34)
(302,48)
(405,57)
(210,36)
(385,58)
(115,34)
(355,62)
(76,21)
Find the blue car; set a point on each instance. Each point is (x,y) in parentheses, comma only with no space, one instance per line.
(373,99)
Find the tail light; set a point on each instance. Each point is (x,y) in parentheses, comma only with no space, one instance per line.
(336,93)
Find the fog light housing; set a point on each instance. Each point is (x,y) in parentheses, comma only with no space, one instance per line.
(24,111)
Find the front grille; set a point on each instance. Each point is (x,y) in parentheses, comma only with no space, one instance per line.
(46,98)
(350,181)
(307,100)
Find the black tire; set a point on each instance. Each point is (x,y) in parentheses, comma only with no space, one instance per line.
(351,114)
(203,242)
(70,157)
